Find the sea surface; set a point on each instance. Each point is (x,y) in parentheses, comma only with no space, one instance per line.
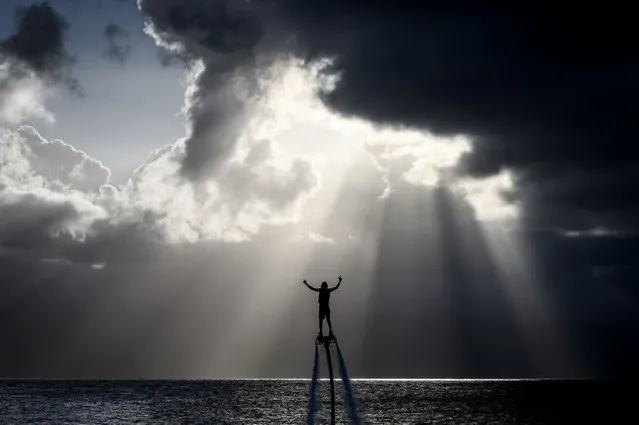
(287,401)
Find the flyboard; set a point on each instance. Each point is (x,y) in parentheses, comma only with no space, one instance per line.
(326,340)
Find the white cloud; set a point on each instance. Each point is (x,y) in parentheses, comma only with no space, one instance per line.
(58,164)
(425,160)
(313,237)
(486,196)
(415,157)
(246,193)
(22,96)
(589,233)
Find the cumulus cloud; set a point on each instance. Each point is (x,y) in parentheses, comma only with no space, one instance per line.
(48,190)
(51,192)
(218,37)
(249,191)
(55,201)
(119,49)
(252,184)
(58,165)
(225,179)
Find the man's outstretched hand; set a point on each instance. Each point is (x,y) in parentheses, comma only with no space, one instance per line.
(305,282)
(339,278)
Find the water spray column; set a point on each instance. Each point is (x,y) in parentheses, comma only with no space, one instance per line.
(330,375)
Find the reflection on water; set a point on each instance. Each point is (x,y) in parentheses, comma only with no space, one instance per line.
(274,401)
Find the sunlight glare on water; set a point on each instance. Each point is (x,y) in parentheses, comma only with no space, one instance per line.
(285,401)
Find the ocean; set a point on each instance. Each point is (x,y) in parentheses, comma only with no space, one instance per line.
(287,402)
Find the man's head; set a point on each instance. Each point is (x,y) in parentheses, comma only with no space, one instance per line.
(324,285)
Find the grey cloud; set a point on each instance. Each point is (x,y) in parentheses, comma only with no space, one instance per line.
(38,46)
(168,58)
(45,228)
(28,221)
(119,50)
(224,36)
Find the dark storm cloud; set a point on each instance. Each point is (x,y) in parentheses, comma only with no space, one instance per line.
(546,90)
(119,49)
(38,45)
(28,221)
(42,229)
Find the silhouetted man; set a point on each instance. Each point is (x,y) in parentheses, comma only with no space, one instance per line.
(324,309)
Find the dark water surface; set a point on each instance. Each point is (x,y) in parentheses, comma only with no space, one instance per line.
(285,401)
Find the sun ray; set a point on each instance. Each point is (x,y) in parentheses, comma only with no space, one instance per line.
(538,316)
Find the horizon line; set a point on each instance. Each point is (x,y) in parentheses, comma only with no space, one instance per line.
(320,379)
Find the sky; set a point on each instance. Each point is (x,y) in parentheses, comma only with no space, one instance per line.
(171,170)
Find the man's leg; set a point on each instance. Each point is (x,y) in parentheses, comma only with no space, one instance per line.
(328,320)
(321,319)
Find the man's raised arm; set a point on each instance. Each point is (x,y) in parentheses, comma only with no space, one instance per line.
(310,287)
(339,281)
